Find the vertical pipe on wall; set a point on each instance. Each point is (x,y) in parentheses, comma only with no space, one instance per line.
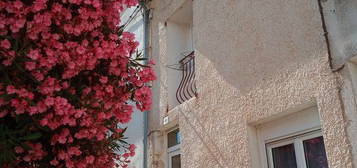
(146,13)
(324,28)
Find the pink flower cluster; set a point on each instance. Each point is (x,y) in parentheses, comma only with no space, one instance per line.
(35,153)
(71,73)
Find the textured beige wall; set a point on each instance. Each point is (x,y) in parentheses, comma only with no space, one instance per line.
(250,41)
(223,126)
(256,60)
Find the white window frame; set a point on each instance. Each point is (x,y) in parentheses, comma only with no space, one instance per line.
(298,122)
(297,141)
(174,150)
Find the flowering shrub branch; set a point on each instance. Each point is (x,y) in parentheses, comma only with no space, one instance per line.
(67,80)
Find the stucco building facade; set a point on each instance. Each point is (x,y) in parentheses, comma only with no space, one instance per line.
(266,75)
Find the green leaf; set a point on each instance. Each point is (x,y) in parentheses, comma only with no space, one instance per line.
(32,136)
(25,146)
(141,59)
(12,142)
(124,130)
(122,141)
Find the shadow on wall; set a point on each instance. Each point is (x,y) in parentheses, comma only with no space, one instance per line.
(204,138)
(250,46)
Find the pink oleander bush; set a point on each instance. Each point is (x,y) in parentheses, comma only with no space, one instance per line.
(69,77)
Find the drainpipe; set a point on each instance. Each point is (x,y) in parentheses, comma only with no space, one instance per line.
(327,40)
(324,28)
(146,13)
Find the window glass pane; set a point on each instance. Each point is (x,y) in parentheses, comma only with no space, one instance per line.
(173,138)
(315,154)
(284,156)
(176,161)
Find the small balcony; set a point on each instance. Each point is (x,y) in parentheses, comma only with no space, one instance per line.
(187,87)
(180,58)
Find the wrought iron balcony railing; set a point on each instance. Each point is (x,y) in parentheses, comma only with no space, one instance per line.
(187,88)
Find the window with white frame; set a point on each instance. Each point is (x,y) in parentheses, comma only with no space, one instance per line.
(302,151)
(292,141)
(173,149)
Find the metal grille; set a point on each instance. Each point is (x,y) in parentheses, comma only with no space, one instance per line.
(187,88)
